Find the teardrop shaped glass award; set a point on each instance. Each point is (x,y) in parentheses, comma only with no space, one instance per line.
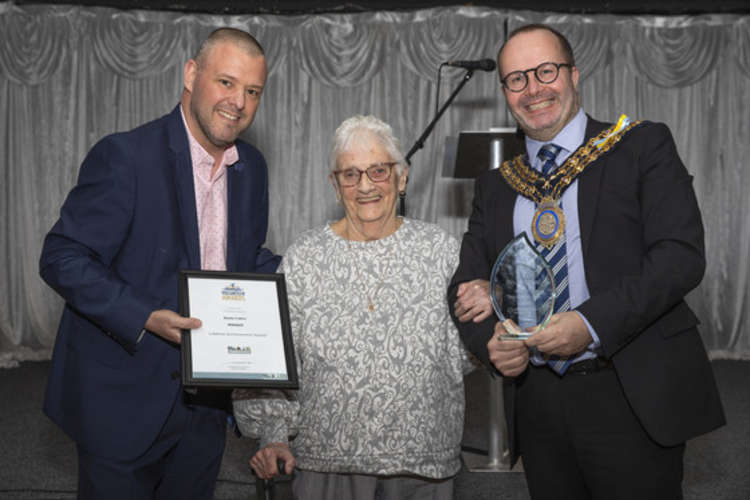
(522,289)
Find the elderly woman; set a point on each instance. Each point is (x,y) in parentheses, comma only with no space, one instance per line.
(380,405)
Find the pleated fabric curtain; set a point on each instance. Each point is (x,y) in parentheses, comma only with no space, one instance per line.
(71,75)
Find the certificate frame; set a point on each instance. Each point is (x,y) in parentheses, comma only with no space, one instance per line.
(238,375)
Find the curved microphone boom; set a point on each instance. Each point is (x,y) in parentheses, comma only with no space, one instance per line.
(480,64)
(470,66)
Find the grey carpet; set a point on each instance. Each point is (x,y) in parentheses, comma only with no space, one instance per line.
(37,461)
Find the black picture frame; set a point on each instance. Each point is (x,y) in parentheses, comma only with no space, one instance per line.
(231,379)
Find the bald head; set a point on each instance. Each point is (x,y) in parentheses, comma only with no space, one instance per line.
(240,39)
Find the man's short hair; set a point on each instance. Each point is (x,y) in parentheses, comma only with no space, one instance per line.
(241,39)
(564,43)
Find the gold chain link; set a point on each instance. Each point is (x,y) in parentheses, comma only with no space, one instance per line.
(524,180)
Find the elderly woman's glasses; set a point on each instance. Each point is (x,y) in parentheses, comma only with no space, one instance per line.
(546,72)
(377,172)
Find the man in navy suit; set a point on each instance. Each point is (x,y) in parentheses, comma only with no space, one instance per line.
(180,192)
(600,402)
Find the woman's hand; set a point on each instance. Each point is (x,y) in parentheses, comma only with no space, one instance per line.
(265,460)
(473,301)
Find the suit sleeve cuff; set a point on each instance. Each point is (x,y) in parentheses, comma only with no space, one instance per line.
(596,343)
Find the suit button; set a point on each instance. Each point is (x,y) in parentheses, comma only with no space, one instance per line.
(175,375)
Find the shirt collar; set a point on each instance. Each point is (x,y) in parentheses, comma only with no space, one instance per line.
(569,139)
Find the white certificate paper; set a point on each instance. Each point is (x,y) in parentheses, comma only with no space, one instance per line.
(245,338)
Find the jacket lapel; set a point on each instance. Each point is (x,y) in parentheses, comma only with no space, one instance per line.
(588,188)
(505,202)
(234,199)
(183,175)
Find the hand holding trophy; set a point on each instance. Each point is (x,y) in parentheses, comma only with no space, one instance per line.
(522,289)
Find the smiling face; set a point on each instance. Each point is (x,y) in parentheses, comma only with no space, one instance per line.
(370,206)
(222,93)
(541,109)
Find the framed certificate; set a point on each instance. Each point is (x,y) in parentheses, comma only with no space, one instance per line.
(245,339)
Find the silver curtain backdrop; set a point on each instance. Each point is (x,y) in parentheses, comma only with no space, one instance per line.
(70,75)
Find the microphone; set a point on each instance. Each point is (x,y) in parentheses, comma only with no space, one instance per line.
(481,64)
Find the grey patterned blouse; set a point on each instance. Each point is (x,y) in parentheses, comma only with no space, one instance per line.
(381,390)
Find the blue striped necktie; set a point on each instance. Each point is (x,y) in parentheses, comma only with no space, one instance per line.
(556,257)
(547,154)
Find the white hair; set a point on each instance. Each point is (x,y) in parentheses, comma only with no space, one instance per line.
(360,127)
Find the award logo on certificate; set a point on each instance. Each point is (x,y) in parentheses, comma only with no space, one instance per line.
(245,339)
(522,289)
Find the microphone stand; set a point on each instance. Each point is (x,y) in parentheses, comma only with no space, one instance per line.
(420,142)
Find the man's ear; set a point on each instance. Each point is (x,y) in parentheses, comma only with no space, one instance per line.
(574,76)
(189,73)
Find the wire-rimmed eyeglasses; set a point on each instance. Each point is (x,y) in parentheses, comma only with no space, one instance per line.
(377,172)
(547,72)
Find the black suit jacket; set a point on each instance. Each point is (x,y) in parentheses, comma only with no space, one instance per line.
(642,242)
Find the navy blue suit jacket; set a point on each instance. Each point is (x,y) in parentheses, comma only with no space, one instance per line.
(124,232)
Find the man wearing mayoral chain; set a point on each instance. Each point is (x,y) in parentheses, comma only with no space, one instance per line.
(600,402)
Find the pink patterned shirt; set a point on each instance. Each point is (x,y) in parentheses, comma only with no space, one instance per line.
(210,202)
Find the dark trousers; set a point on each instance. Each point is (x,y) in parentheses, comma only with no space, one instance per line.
(580,440)
(182,463)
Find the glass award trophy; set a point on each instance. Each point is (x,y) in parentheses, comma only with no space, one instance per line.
(522,289)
